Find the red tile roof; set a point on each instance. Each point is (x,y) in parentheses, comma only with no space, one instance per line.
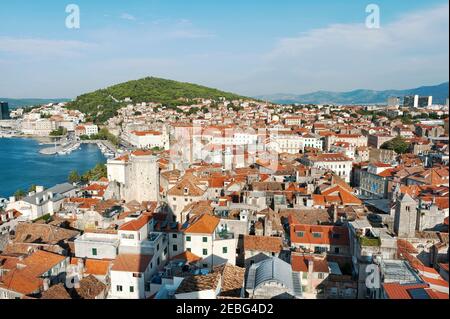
(202,224)
(329,235)
(300,263)
(131,263)
(136,224)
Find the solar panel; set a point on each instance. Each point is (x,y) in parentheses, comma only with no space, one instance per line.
(419,293)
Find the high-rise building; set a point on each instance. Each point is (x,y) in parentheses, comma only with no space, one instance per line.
(416,101)
(394,101)
(4,111)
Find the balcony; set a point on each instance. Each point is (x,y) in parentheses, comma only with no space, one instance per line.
(224,234)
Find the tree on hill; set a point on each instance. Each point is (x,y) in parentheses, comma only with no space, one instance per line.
(398,144)
(100,105)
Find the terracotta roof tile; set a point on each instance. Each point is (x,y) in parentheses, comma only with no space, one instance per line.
(131,263)
(263,243)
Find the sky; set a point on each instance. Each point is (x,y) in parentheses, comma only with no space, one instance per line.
(250,47)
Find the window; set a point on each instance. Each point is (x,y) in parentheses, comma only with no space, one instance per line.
(319,250)
(175,236)
(157,247)
(165,251)
(205,252)
(188,238)
(189,249)
(304,275)
(137,275)
(300,234)
(131,288)
(205,239)
(175,248)
(336,250)
(224,250)
(94,251)
(158,261)
(320,275)
(317,235)
(205,265)
(119,288)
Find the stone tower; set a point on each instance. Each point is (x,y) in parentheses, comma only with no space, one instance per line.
(405,220)
(134,177)
(143,178)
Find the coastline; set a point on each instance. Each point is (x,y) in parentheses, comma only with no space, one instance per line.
(25,166)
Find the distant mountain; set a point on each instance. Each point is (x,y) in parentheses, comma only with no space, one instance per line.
(103,104)
(15,103)
(439,92)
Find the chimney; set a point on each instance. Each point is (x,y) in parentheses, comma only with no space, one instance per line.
(12,199)
(10,214)
(46,284)
(310,266)
(80,265)
(3,218)
(335,213)
(39,189)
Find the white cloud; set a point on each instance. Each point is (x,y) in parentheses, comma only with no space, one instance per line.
(127,16)
(185,29)
(37,47)
(413,49)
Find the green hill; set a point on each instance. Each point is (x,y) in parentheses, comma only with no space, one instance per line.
(103,104)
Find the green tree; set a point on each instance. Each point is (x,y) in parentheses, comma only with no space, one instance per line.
(398,144)
(95,174)
(59,132)
(74,177)
(20,193)
(32,188)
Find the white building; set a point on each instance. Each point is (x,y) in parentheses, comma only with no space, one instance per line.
(42,202)
(338,163)
(148,139)
(204,238)
(142,254)
(91,129)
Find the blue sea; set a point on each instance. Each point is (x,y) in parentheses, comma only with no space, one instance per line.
(21,164)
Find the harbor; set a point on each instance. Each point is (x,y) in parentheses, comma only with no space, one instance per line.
(24,165)
(106,147)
